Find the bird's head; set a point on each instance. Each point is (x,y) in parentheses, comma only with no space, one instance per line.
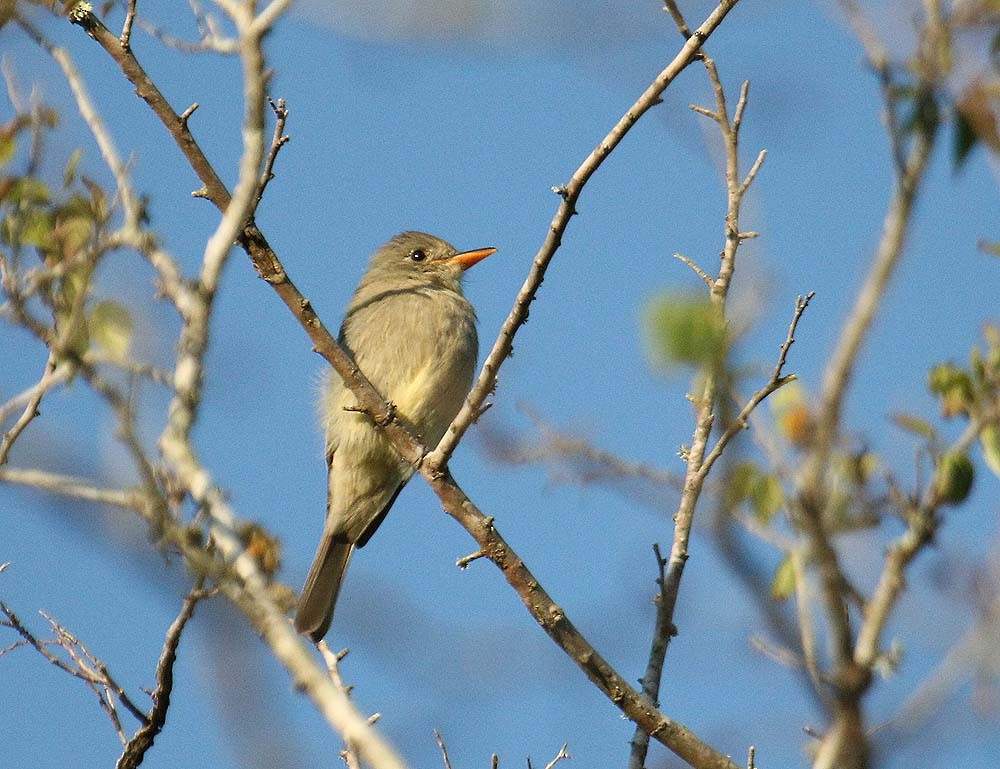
(415,258)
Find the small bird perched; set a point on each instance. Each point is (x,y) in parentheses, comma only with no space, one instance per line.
(413,334)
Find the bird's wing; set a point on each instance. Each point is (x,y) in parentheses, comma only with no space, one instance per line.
(377,520)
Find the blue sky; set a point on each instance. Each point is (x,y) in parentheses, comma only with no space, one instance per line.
(462,132)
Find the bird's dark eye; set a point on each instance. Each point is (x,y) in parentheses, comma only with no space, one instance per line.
(418,255)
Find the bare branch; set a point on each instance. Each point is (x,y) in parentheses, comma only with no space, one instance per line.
(774,383)
(559,756)
(77,488)
(663,631)
(249,591)
(444,750)
(47,381)
(126,35)
(697,270)
(78,662)
(143,739)
(279,140)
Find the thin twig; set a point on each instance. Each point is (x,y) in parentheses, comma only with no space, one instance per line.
(444,750)
(143,739)
(697,270)
(279,140)
(126,35)
(663,631)
(559,756)
(776,382)
(47,380)
(77,488)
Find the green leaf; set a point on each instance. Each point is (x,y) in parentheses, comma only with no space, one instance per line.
(69,175)
(954,388)
(953,477)
(685,329)
(28,190)
(768,497)
(110,326)
(36,228)
(783,582)
(989,438)
(965,138)
(740,483)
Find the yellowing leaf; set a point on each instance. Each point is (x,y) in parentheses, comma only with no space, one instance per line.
(110,326)
(783,582)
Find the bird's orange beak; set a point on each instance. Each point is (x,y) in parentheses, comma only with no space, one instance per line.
(468,258)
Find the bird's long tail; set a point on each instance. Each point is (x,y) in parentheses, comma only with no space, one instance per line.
(319,594)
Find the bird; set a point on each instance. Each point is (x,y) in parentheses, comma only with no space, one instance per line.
(412,332)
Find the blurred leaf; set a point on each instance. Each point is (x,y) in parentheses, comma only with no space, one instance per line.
(860,466)
(28,190)
(768,497)
(8,146)
(73,233)
(954,388)
(36,229)
(953,477)
(262,546)
(740,482)
(989,438)
(915,425)
(110,326)
(69,175)
(792,415)
(685,329)
(791,395)
(98,200)
(783,582)
(975,121)
(989,247)
(965,139)
(923,114)
(796,425)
